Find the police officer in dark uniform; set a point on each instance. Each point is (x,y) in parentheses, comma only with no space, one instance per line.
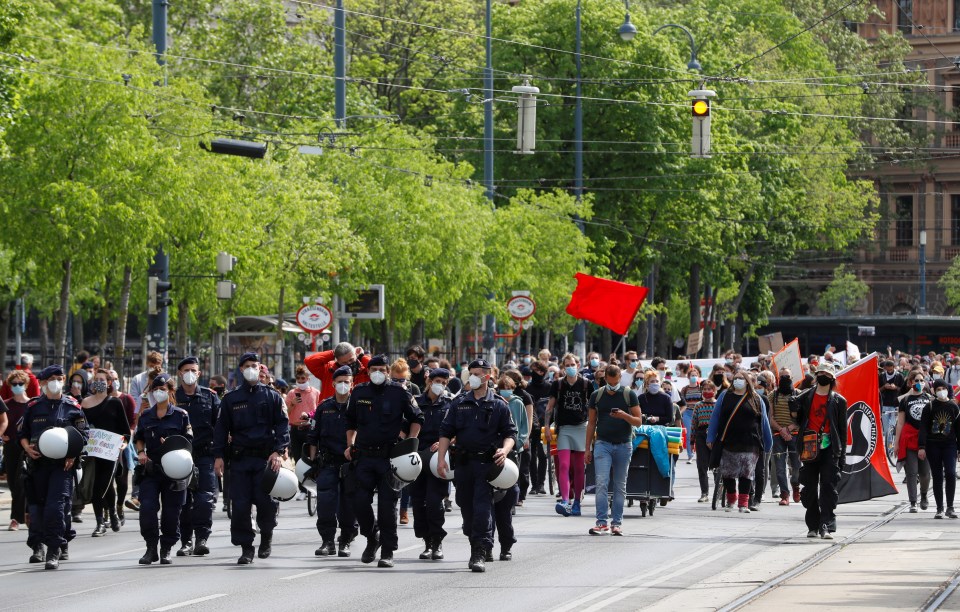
(480,421)
(375,418)
(327,440)
(158,493)
(49,484)
(428,491)
(253,420)
(203,406)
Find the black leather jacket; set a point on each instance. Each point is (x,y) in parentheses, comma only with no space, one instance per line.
(836,412)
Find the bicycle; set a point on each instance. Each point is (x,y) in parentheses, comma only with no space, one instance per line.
(719,496)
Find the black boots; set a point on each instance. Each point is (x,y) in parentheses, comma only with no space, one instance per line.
(246,556)
(150,556)
(476,559)
(428,549)
(266,541)
(386,558)
(437,549)
(344,548)
(39,554)
(370,552)
(114,521)
(186,549)
(53,559)
(201,548)
(165,555)
(327,549)
(505,554)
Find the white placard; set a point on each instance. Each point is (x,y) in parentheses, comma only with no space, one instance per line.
(104,444)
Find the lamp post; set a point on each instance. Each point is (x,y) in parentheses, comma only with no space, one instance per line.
(693,64)
(923,272)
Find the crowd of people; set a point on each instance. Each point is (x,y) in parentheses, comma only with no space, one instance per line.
(350,416)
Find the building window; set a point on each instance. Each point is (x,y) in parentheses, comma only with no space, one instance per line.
(905,17)
(904,221)
(955,220)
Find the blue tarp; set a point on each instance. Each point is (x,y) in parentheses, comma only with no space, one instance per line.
(657,437)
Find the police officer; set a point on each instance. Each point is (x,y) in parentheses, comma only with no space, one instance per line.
(50,482)
(158,493)
(480,421)
(253,419)
(375,415)
(203,406)
(428,491)
(327,441)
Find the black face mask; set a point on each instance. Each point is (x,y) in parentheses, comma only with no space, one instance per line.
(824,380)
(414,364)
(355,366)
(537,378)
(718,379)
(785,384)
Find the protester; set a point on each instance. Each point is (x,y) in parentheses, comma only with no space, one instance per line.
(302,402)
(937,443)
(784,438)
(106,413)
(539,390)
(911,410)
(614,412)
(702,412)
(32,387)
(323,364)
(568,401)
(18,382)
(690,395)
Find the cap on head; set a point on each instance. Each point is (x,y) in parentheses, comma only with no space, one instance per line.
(342,371)
(480,363)
(826,368)
(188,361)
(160,381)
(378,360)
(251,356)
(50,370)
(439,373)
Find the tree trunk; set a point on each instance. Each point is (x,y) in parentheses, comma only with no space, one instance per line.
(5,333)
(694,290)
(44,340)
(183,328)
(642,329)
(606,342)
(739,336)
(417,334)
(79,343)
(120,331)
(280,315)
(105,317)
(60,331)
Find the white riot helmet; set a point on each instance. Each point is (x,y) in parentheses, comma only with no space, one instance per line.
(433,465)
(503,476)
(281,484)
(176,458)
(61,442)
(307,482)
(405,460)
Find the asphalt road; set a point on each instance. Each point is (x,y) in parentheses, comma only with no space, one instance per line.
(685,556)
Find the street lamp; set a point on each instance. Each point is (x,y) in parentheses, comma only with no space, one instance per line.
(627,31)
(923,272)
(693,64)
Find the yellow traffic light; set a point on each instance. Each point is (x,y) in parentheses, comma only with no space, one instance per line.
(701,108)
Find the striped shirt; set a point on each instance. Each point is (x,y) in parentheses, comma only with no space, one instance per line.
(702,413)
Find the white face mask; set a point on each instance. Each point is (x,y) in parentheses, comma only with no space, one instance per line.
(54,386)
(116,385)
(342,388)
(190,377)
(437,389)
(378,378)
(251,374)
(303,386)
(160,396)
(475,382)
(942,394)
(739,384)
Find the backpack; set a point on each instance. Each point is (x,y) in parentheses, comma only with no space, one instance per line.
(626,395)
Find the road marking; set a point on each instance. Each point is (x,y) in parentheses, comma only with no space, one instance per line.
(189,602)
(409,548)
(122,552)
(305,574)
(12,573)
(915,535)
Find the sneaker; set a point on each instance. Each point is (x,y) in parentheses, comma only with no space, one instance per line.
(133,503)
(924,504)
(939,514)
(812,534)
(447,505)
(913,508)
(562,508)
(754,506)
(784,501)
(728,508)
(951,513)
(689,461)
(599,530)
(575,509)
(404,519)
(796,496)
(825,533)
(744,510)
(14,526)
(703,499)
(615,530)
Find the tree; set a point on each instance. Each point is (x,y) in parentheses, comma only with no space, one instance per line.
(844,293)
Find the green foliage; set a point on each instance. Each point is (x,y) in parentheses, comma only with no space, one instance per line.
(844,292)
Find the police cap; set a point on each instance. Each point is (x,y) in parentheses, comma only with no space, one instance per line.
(251,356)
(378,360)
(480,363)
(160,381)
(50,370)
(188,361)
(342,371)
(439,373)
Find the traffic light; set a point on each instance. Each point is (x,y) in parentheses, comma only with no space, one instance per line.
(157,295)
(700,107)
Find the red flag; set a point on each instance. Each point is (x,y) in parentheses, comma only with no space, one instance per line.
(866,473)
(607,303)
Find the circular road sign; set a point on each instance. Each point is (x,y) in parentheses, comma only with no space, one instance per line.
(521,307)
(314,318)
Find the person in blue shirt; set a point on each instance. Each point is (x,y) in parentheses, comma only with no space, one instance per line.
(158,493)
(254,422)
(50,482)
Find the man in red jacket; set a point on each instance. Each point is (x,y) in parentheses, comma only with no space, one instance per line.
(33,386)
(323,364)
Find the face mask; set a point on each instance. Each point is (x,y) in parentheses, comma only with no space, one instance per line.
(786,382)
(634,364)
(653,387)
(708,394)
(342,388)
(98,386)
(303,386)
(942,394)
(739,384)
(414,364)
(160,396)
(571,371)
(437,389)
(549,377)
(116,385)
(693,380)
(17,389)
(823,380)
(378,378)
(526,360)
(506,393)
(918,387)
(55,386)
(251,375)
(475,381)
(76,385)
(728,361)
(594,363)
(718,379)
(613,388)
(190,378)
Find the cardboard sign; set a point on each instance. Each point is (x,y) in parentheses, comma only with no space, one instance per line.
(770,343)
(104,444)
(789,357)
(694,342)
